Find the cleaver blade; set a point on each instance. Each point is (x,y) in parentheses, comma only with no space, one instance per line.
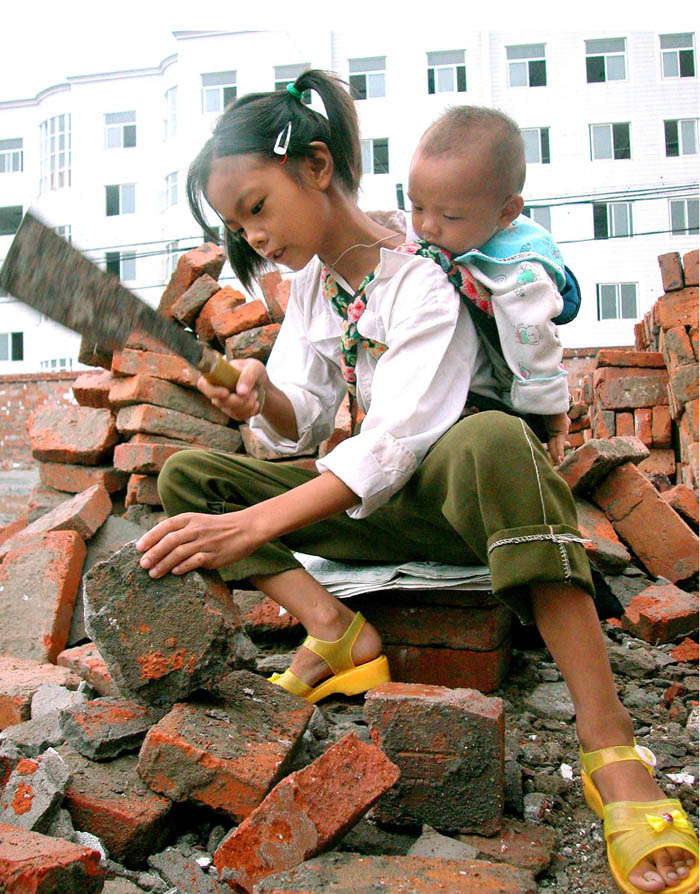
(50,275)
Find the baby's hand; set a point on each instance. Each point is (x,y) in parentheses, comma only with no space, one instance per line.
(557,426)
(249,397)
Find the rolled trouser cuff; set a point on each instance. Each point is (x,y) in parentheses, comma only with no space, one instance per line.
(534,554)
(272,558)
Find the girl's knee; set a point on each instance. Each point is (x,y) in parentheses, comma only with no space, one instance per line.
(495,434)
(177,471)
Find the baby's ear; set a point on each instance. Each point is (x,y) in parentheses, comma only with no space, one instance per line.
(511,208)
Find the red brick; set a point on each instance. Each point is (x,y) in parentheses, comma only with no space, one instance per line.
(456,668)
(658,536)
(87,663)
(208,258)
(282,296)
(684,500)
(586,467)
(104,728)
(220,322)
(306,813)
(352,874)
(43,499)
(690,267)
(216,312)
(661,427)
(277,298)
(677,348)
(687,650)
(684,383)
(20,679)
(92,354)
(678,308)
(143,457)
(449,745)
(39,580)
(604,547)
(225,754)
(624,425)
(579,424)
(661,461)
(253,344)
(73,478)
(142,489)
(92,389)
(140,341)
(627,389)
(170,423)
(72,435)
(31,863)
(692,413)
(527,846)
(9,531)
(671,271)
(643,426)
(640,342)
(189,304)
(660,614)
(110,801)
(149,390)
(261,616)
(254,447)
(602,422)
(128,362)
(269,283)
(84,514)
(620,357)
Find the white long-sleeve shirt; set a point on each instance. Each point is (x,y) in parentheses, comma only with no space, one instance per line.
(411,394)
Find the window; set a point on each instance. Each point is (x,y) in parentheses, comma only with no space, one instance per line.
(171,253)
(120,130)
(375,156)
(57,363)
(677,55)
(11,345)
(526,65)
(55,153)
(219,237)
(10,217)
(122,264)
(536,141)
(287,74)
(541,214)
(170,123)
(120,199)
(367,77)
(400,198)
(11,156)
(617,300)
(681,137)
(64,232)
(612,219)
(610,141)
(684,217)
(605,60)
(447,72)
(218,90)
(171,190)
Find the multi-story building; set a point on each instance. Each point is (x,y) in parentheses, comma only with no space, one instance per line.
(610,122)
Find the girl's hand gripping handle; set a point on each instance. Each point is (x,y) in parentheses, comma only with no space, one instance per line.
(217,370)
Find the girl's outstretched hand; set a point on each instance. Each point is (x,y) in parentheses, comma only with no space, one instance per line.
(196,540)
(249,397)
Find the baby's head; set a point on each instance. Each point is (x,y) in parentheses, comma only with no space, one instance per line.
(466,178)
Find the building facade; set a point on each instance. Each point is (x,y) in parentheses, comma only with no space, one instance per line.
(610,122)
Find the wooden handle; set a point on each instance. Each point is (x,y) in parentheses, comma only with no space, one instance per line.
(216,370)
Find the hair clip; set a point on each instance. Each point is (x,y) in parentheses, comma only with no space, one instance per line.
(282,141)
(294,91)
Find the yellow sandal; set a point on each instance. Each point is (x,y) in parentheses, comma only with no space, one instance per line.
(347,679)
(635,829)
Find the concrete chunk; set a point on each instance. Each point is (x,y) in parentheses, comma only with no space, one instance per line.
(34,792)
(104,728)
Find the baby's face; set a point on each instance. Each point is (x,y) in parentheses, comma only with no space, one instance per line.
(454,202)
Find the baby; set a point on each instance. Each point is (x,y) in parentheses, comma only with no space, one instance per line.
(465,188)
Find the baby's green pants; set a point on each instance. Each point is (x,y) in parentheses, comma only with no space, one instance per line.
(486,494)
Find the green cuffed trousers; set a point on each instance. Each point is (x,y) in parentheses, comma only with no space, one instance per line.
(485,494)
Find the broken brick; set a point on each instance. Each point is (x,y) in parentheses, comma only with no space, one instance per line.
(603,546)
(306,813)
(110,801)
(161,639)
(87,664)
(662,541)
(671,271)
(684,500)
(150,390)
(269,283)
(661,461)
(643,426)
(34,791)
(254,447)
(659,614)
(677,348)
(661,427)
(144,457)
(587,466)
(128,362)
(245,315)
(208,258)
(142,489)
(678,308)
(261,615)
(9,531)
(449,745)
(39,580)
(169,423)
(624,425)
(74,478)
(684,383)
(225,754)
(92,354)
(525,845)
(216,315)
(253,344)
(690,267)
(65,434)
(629,388)
(479,669)
(188,305)
(20,679)
(687,650)
(43,499)
(621,357)
(183,873)
(92,389)
(31,863)
(104,728)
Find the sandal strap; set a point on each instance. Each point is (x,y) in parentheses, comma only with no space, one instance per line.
(291,683)
(337,653)
(594,760)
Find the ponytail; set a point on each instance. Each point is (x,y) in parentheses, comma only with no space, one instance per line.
(253,124)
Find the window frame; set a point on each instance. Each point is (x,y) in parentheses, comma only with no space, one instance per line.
(679,138)
(170,119)
(218,90)
(528,209)
(55,153)
(12,157)
(612,132)
(122,128)
(618,298)
(605,55)
(14,215)
(116,261)
(375,73)
(171,189)
(14,344)
(515,61)
(543,145)
(669,52)
(287,74)
(687,229)
(372,144)
(606,210)
(457,68)
(124,196)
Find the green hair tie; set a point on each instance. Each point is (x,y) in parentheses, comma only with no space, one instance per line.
(297,94)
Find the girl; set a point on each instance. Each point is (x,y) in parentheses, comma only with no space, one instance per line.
(417,482)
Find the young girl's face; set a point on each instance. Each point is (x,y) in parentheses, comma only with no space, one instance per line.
(280,218)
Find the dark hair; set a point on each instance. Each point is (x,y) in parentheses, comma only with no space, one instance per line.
(459,126)
(253,123)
